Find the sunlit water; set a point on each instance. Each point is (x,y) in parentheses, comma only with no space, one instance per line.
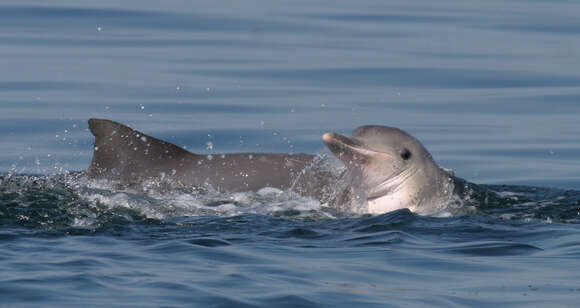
(492,89)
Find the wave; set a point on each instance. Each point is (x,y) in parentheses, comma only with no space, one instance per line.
(70,200)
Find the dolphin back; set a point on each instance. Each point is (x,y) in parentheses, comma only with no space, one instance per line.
(124,154)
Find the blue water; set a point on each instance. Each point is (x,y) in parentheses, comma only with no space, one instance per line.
(491,88)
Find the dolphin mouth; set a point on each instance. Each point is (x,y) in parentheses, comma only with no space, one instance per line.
(391,185)
(343,146)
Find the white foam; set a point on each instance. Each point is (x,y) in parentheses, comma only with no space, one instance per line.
(157,204)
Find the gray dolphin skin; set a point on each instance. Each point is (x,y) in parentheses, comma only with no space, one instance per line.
(131,157)
(386,168)
(391,170)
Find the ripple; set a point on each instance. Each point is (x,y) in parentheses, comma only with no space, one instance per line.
(50,17)
(302,233)
(288,301)
(492,249)
(209,242)
(385,222)
(380,239)
(404,77)
(390,18)
(44,85)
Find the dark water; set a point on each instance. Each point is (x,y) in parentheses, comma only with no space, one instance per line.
(491,88)
(59,249)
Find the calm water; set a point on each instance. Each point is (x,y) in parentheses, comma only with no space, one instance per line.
(492,89)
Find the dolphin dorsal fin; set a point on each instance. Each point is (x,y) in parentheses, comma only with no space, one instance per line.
(126,154)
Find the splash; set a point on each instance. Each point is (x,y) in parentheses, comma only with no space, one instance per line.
(71,200)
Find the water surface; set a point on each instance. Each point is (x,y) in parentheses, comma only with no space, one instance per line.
(492,89)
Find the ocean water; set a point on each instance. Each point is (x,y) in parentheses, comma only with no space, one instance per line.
(491,88)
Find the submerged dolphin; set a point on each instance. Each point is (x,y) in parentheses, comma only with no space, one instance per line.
(387,168)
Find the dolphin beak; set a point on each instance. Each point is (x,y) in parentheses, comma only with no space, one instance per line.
(348,150)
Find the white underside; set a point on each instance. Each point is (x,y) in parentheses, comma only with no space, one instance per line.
(400,199)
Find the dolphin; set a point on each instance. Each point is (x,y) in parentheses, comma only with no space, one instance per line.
(386,168)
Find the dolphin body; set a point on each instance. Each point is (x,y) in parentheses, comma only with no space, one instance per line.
(131,157)
(386,168)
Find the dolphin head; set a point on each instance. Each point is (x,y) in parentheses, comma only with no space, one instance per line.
(390,169)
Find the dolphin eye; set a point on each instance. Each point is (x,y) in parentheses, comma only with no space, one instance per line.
(405,154)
